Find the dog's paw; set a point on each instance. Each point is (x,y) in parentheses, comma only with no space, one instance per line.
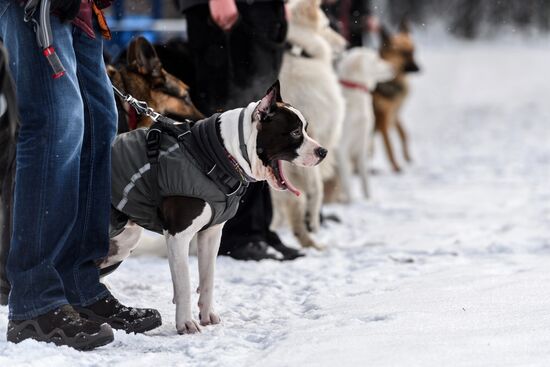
(313,222)
(309,243)
(189,327)
(209,318)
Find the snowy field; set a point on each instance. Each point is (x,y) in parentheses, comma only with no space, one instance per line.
(448,264)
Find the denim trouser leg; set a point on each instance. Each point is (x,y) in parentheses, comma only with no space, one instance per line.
(63,157)
(90,235)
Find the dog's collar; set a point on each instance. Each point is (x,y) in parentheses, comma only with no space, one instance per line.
(242,143)
(297,51)
(218,163)
(353,85)
(242,146)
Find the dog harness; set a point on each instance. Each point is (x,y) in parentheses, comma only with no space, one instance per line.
(181,159)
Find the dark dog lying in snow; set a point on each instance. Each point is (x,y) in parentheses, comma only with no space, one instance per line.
(201,175)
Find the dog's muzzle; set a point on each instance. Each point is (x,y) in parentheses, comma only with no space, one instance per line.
(321,153)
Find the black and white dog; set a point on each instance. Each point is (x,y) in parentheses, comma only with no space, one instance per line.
(256,140)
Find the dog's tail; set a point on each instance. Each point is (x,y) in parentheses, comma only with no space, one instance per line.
(9,127)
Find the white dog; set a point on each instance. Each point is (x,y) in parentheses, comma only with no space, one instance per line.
(360,70)
(309,82)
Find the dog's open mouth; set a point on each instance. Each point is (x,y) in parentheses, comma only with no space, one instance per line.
(282,182)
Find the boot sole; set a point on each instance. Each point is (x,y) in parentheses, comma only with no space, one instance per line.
(81,341)
(142,326)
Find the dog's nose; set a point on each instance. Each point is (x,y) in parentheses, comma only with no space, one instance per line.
(412,67)
(321,152)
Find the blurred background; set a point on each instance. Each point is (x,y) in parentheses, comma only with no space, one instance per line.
(159,20)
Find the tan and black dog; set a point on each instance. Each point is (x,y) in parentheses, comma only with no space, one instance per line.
(398,50)
(143,76)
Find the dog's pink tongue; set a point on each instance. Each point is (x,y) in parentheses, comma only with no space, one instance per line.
(289,186)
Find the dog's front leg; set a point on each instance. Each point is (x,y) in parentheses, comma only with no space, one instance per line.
(208,245)
(345,173)
(178,258)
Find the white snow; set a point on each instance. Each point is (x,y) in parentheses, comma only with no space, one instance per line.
(446,266)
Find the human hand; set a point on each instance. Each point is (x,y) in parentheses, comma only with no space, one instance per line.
(224,13)
(372,24)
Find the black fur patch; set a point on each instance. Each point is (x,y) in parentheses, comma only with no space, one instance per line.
(178,212)
(275,140)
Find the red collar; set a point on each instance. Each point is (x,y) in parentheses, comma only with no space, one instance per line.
(354,85)
(132,118)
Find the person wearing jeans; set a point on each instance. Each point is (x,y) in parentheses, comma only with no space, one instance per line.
(62,191)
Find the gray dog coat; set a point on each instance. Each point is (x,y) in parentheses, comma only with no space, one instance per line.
(192,162)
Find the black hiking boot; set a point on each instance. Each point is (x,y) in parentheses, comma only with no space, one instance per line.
(62,326)
(288,253)
(254,250)
(129,319)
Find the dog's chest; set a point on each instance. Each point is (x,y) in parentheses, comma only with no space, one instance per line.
(394,89)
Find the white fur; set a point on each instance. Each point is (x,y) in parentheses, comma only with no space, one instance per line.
(363,66)
(311,85)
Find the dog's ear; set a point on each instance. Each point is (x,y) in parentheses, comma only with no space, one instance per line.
(404,26)
(385,37)
(268,103)
(277,87)
(143,58)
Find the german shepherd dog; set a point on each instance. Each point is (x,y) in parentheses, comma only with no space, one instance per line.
(8,137)
(398,50)
(144,77)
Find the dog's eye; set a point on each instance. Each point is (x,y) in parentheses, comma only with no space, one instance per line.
(296,134)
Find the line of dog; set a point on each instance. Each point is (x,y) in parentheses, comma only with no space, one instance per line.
(329,100)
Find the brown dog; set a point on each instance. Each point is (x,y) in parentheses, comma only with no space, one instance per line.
(144,77)
(398,50)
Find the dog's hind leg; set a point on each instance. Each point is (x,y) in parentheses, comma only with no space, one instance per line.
(383,124)
(404,140)
(208,245)
(122,245)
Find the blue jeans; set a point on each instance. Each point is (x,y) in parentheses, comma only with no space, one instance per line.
(63,182)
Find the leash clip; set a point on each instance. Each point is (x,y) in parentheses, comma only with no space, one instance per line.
(141,107)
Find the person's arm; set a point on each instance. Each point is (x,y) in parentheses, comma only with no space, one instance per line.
(224,13)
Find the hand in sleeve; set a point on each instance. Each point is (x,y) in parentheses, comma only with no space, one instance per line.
(224,13)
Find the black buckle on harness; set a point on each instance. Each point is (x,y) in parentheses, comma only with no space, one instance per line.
(153,144)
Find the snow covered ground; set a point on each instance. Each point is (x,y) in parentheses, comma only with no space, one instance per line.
(448,265)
